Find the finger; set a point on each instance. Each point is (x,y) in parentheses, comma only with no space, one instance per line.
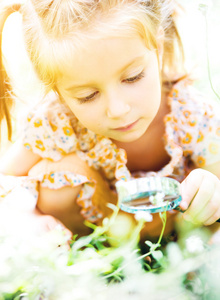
(51,223)
(191,185)
(203,201)
(214,209)
(205,216)
(201,181)
(48,222)
(213,218)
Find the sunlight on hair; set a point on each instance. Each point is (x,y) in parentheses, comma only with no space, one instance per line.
(17,62)
(30,91)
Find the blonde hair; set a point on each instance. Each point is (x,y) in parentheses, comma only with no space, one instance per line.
(6,97)
(54,29)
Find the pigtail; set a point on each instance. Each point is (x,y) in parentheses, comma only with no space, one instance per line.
(5,98)
(174,56)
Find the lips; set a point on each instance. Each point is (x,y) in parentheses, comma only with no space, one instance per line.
(126,127)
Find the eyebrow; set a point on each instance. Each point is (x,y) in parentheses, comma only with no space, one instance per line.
(136,59)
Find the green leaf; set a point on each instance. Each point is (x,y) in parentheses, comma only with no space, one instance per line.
(82,242)
(157,254)
(149,243)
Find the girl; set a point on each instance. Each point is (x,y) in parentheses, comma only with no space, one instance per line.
(121,107)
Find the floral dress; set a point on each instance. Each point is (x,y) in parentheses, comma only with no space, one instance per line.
(192,139)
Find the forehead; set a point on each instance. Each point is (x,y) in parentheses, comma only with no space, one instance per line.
(64,50)
(103,57)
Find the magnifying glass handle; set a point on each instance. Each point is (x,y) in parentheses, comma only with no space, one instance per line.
(182,211)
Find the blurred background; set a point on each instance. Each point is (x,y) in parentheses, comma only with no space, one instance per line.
(199,26)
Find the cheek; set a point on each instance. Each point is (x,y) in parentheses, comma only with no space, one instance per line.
(150,97)
(151,90)
(87,115)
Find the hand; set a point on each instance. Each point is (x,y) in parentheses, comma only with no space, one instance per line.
(27,223)
(201,197)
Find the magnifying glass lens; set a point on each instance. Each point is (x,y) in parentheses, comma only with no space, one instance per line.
(151,194)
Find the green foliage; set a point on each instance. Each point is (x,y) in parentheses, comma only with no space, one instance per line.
(90,268)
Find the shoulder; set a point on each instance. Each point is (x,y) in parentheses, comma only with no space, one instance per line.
(197,121)
(192,109)
(184,96)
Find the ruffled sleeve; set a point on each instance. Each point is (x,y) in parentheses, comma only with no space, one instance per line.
(207,149)
(48,131)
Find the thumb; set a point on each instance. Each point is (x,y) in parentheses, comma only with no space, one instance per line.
(190,187)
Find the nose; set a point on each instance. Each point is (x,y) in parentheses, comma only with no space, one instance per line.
(117,105)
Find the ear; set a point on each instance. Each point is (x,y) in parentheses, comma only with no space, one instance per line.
(160,45)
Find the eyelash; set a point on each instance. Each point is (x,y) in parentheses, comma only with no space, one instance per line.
(88,98)
(135,78)
(128,80)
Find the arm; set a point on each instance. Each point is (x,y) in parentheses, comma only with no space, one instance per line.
(61,203)
(18,160)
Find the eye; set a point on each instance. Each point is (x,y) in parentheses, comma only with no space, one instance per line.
(134,78)
(88,98)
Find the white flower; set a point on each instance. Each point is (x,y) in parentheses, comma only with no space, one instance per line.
(143,215)
(194,244)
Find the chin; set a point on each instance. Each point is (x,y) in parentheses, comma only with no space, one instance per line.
(131,137)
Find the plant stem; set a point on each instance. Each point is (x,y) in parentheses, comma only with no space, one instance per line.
(207,56)
(164,219)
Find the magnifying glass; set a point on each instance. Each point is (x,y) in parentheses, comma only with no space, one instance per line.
(150,194)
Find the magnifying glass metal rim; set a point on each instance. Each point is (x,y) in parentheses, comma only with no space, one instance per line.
(154,209)
(145,186)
